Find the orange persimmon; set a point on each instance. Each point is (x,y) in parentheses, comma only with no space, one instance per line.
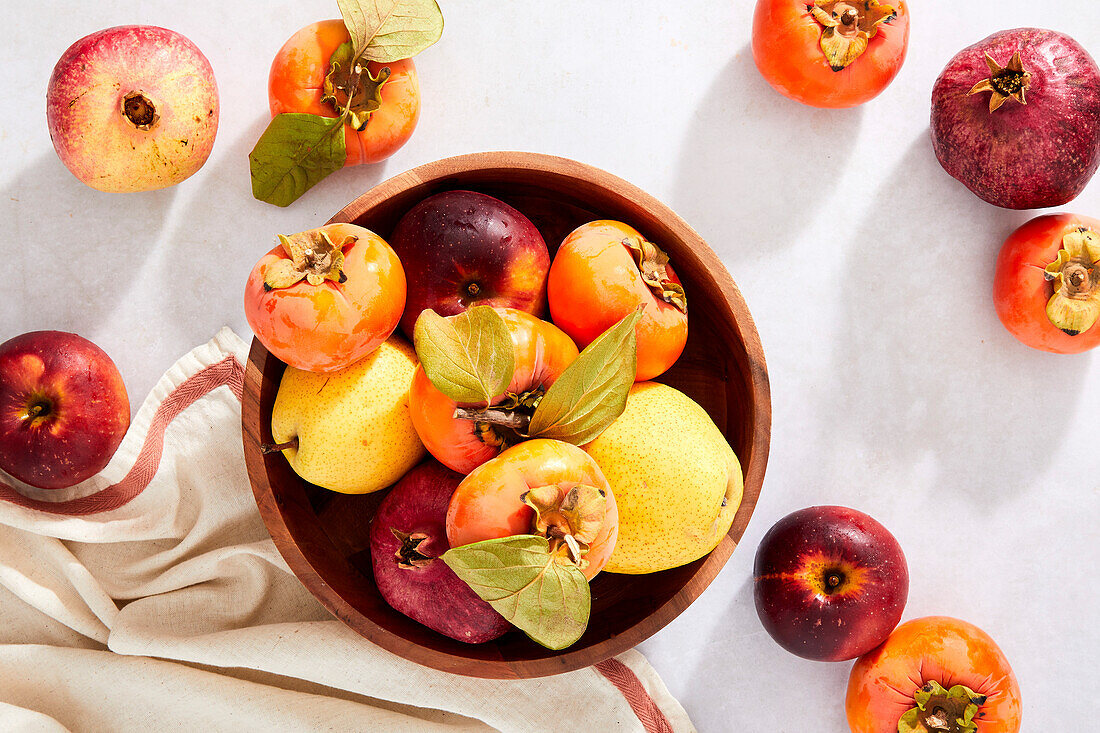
(1046,288)
(544,487)
(297,84)
(542,352)
(325,298)
(934,671)
(601,273)
(830,53)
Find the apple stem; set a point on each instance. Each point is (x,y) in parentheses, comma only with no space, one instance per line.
(504,418)
(267,448)
(37,410)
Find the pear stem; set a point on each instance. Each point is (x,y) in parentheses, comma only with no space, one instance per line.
(268,448)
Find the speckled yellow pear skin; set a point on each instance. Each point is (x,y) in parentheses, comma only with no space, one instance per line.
(355,433)
(670,469)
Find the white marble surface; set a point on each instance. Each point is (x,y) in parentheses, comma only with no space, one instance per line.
(895,388)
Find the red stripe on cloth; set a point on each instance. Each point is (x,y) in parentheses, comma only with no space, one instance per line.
(227,372)
(620,675)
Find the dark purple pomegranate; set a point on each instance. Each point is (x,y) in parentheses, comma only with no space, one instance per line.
(407,536)
(1016,118)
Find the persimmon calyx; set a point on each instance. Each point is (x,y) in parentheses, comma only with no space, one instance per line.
(652,262)
(569,518)
(312,256)
(848,27)
(350,87)
(1006,82)
(939,710)
(1075,305)
(408,554)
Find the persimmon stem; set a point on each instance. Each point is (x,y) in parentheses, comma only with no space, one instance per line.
(267,448)
(504,418)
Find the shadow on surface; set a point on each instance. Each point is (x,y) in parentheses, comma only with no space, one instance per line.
(739,183)
(206,247)
(69,280)
(924,370)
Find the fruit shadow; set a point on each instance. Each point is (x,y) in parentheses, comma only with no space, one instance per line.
(67,280)
(753,164)
(738,665)
(221,231)
(929,386)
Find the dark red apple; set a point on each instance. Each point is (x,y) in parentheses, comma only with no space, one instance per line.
(830,583)
(407,536)
(461,249)
(63,408)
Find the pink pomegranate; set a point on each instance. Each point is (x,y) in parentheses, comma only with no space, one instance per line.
(1016,118)
(132,108)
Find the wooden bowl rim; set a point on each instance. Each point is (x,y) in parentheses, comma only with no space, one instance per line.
(759,388)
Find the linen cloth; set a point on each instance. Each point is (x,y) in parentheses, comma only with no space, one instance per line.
(151,597)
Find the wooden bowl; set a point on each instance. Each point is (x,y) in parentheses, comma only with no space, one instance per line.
(324,535)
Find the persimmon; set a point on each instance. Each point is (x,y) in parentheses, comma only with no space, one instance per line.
(385,109)
(325,298)
(834,53)
(1046,287)
(934,674)
(542,352)
(544,487)
(602,272)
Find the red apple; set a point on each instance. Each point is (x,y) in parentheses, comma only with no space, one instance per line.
(132,108)
(461,249)
(63,408)
(830,583)
(407,536)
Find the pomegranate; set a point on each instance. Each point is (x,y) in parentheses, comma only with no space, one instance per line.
(1016,118)
(132,108)
(407,536)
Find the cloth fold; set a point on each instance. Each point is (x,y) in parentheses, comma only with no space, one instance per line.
(151,596)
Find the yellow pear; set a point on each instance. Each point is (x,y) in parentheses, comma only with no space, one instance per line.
(350,430)
(676,480)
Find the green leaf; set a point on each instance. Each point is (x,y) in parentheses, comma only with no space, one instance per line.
(591,393)
(468,357)
(295,152)
(538,591)
(389,30)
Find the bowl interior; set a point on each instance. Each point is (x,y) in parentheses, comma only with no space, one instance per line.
(324,535)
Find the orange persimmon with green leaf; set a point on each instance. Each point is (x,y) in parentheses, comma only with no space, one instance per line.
(313,72)
(342,92)
(493,377)
(464,430)
(830,53)
(605,270)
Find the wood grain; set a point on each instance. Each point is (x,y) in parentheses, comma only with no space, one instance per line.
(323,535)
